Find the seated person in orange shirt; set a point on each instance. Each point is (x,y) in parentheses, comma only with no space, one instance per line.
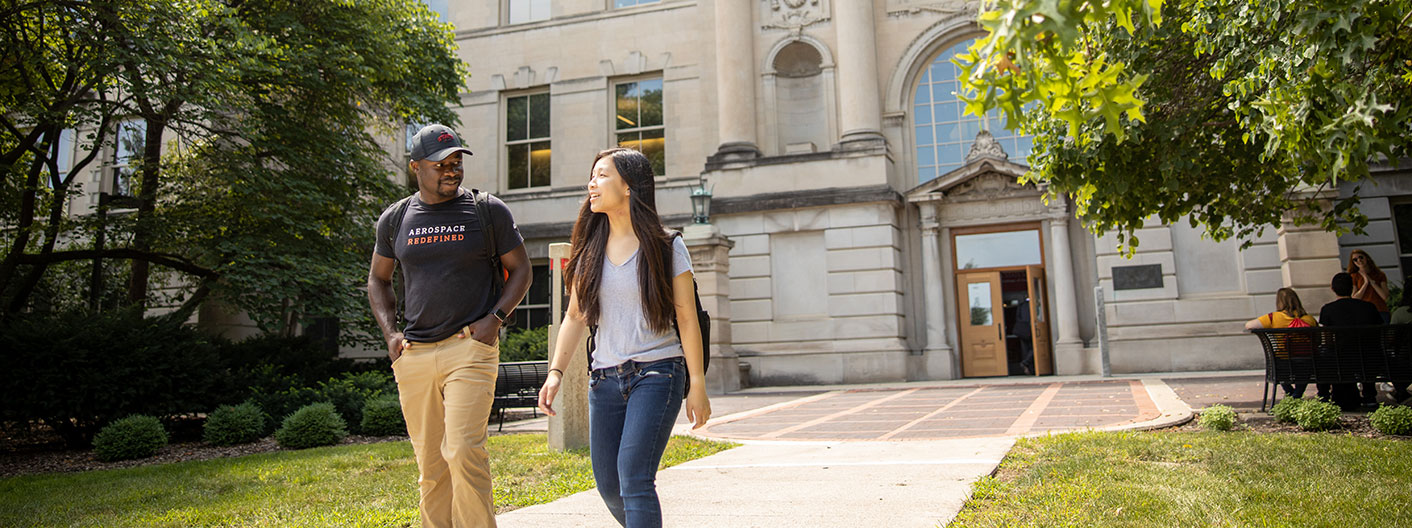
(1289,313)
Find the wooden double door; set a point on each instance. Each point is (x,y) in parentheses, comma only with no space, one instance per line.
(995,310)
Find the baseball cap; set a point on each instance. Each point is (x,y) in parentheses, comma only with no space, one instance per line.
(435,143)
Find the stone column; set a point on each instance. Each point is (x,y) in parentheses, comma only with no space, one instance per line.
(569,429)
(859,104)
(710,262)
(1068,347)
(940,358)
(1309,258)
(735,81)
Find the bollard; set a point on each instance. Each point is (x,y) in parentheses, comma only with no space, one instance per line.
(569,429)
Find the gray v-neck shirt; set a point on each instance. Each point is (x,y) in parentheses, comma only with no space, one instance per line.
(623,333)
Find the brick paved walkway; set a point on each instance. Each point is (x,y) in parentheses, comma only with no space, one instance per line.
(944,412)
(1239,392)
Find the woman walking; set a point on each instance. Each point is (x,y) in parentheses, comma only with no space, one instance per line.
(630,280)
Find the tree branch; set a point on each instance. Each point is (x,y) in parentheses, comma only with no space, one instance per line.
(162,259)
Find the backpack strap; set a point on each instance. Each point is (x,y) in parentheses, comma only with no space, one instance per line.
(497,270)
(399,212)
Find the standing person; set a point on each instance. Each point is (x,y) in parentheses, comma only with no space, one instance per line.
(1369,282)
(447,357)
(631,279)
(1288,310)
(1024,331)
(1347,311)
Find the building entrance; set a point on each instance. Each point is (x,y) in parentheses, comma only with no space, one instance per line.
(1001,292)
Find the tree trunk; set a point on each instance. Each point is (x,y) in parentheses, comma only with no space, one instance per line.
(22,234)
(147,205)
(51,235)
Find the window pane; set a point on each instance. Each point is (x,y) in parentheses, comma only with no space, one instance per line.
(993,250)
(629,140)
(539,164)
(539,10)
(1402,216)
(627,106)
(519,11)
(654,145)
(651,103)
(924,135)
(518,156)
(66,150)
(979,295)
(539,288)
(539,115)
(131,136)
(923,115)
(517,118)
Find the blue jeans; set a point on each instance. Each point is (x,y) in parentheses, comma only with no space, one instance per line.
(631,410)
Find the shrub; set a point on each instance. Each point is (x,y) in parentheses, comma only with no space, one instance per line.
(349,392)
(1316,415)
(280,404)
(136,436)
(317,424)
(525,345)
(1285,410)
(382,416)
(1392,420)
(238,424)
(155,366)
(1218,418)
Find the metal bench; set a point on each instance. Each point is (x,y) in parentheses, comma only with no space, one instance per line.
(1326,354)
(517,386)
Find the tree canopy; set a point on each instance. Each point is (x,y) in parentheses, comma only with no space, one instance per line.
(1237,113)
(268,195)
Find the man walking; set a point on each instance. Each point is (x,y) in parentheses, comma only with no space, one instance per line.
(446,358)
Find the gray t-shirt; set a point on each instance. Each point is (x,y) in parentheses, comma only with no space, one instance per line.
(445,262)
(623,333)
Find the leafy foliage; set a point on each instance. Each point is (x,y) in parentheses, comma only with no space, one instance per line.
(269,204)
(1317,415)
(382,416)
(135,436)
(1218,418)
(1392,420)
(525,345)
(317,424)
(1239,113)
(234,424)
(1286,410)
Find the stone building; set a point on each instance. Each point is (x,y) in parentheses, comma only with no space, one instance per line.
(878,234)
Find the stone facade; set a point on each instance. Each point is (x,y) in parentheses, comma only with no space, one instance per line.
(800,116)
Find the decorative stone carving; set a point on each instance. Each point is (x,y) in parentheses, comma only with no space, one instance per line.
(988,187)
(986,146)
(795,15)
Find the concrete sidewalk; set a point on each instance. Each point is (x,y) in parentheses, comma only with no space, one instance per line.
(848,478)
(787,484)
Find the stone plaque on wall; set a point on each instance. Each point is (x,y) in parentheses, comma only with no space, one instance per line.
(1137,277)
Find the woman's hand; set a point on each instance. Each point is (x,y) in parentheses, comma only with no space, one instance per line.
(549,391)
(698,405)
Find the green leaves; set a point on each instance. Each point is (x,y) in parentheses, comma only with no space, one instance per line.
(1242,114)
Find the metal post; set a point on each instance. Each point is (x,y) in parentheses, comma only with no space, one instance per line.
(1107,370)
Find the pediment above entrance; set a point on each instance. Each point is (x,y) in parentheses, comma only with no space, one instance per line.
(987,175)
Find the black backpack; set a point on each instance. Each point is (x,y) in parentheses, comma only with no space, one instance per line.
(703,319)
(481,199)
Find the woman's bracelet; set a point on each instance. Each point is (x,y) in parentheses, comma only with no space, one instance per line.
(561,373)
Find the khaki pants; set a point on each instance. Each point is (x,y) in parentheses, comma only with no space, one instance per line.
(446,390)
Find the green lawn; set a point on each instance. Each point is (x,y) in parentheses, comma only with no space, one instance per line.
(1197,479)
(359,485)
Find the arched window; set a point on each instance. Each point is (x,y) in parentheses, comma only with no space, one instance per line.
(942,132)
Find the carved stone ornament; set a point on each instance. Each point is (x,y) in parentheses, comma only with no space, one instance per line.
(991,186)
(986,147)
(795,15)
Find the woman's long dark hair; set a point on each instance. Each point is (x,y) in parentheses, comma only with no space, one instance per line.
(584,270)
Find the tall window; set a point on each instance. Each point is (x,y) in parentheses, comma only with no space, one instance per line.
(1402,218)
(64,158)
(619,4)
(943,134)
(527,140)
(639,120)
(534,311)
(522,11)
(439,7)
(131,137)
